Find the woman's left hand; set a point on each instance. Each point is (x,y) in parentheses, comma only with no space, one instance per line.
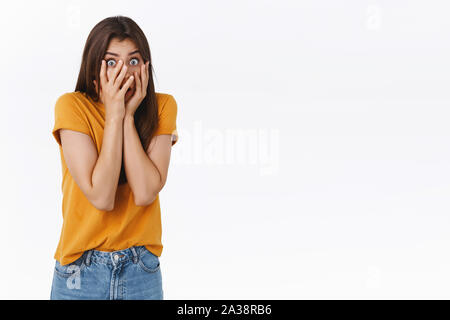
(140,92)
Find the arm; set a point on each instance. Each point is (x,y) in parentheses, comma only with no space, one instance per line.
(97,176)
(146,170)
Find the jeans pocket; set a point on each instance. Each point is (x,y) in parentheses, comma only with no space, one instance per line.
(71,269)
(148,261)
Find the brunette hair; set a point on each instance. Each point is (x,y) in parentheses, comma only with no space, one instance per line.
(120,28)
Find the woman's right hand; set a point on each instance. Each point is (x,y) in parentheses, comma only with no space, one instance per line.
(112,96)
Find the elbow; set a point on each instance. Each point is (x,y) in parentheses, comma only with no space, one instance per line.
(145,201)
(100,200)
(147,198)
(104,205)
(109,207)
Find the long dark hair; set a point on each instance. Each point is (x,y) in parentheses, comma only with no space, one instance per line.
(120,28)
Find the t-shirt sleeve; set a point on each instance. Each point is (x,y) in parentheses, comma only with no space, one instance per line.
(68,115)
(168,118)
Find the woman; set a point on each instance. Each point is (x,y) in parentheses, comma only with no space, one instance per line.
(115,135)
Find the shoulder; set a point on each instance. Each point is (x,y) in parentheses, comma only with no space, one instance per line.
(70,98)
(163,96)
(166,102)
(72,101)
(66,98)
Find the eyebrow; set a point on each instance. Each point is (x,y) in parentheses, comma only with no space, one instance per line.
(115,54)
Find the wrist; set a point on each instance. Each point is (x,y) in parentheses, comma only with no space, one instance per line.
(128,121)
(128,118)
(112,113)
(114,118)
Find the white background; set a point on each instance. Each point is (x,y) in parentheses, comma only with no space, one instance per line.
(337,185)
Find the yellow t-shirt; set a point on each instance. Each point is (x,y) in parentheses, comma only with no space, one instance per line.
(84,226)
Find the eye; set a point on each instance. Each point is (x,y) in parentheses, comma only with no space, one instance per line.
(136,61)
(108,63)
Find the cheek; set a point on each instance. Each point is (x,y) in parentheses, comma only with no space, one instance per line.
(133,67)
(137,70)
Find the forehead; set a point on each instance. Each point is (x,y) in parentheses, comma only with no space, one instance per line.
(123,47)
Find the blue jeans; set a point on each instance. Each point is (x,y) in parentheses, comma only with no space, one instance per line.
(129,274)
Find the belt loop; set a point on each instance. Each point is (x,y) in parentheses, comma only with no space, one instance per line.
(88,258)
(135,256)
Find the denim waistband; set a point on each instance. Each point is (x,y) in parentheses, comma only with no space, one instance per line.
(113,257)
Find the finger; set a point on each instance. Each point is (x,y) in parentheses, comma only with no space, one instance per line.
(115,71)
(120,77)
(142,73)
(138,81)
(102,72)
(146,69)
(126,85)
(108,74)
(145,77)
